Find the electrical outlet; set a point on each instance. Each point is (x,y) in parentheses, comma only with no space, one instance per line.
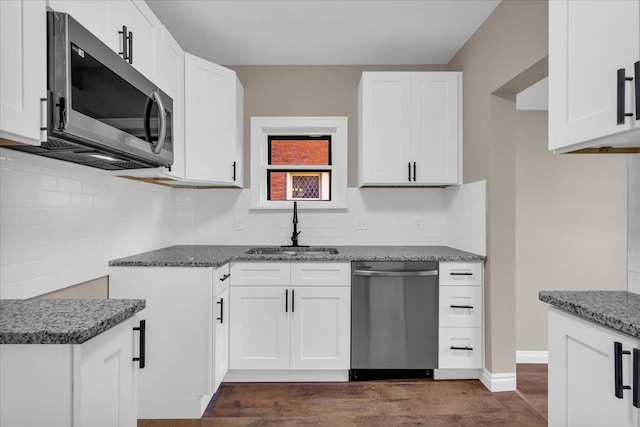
(238,223)
(361,223)
(419,223)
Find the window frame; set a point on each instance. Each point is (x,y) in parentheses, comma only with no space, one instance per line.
(263,127)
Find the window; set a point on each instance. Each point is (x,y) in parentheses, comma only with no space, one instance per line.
(298,158)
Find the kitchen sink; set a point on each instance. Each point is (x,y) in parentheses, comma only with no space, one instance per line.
(295,251)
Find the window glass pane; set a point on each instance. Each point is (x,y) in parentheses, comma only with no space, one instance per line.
(299,150)
(299,185)
(277,186)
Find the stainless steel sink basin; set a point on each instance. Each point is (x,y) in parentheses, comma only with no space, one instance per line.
(292,251)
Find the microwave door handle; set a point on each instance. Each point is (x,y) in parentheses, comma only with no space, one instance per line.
(163,123)
(155,96)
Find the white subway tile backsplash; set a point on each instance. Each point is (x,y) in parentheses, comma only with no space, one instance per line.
(61,223)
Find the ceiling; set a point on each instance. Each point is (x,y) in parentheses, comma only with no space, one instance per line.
(320,32)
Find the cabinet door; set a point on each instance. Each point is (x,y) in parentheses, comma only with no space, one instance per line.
(171,80)
(581,374)
(210,126)
(221,341)
(320,328)
(93,15)
(385,122)
(22,70)
(144,26)
(106,388)
(588,42)
(259,327)
(435,128)
(179,316)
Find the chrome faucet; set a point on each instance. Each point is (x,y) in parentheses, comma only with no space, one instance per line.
(294,235)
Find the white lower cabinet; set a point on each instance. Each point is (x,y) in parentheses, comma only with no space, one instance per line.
(582,374)
(89,384)
(460,333)
(180,377)
(282,330)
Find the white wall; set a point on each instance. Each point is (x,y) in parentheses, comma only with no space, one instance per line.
(633,240)
(453,216)
(61,223)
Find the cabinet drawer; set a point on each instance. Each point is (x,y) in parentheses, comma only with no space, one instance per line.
(221,279)
(460,306)
(459,357)
(461,273)
(261,273)
(320,274)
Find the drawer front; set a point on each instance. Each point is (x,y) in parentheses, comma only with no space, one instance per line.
(467,348)
(320,274)
(220,279)
(460,306)
(461,273)
(260,274)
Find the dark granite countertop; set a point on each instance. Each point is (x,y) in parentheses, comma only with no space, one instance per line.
(61,321)
(218,255)
(618,310)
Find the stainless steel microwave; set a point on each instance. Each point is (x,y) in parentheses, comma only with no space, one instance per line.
(101,111)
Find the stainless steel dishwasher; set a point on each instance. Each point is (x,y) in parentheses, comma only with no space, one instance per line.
(394,320)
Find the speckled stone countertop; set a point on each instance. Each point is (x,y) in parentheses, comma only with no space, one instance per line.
(215,256)
(618,310)
(62,321)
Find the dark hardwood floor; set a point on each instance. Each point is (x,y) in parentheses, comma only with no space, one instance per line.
(375,403)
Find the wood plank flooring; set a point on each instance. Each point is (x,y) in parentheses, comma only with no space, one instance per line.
(375,403)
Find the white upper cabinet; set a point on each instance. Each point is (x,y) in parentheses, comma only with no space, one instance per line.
(105,19)
(143,27)
(22,70)
(410,128)
(589,41)
(213,123)
(171,80)
(93,15)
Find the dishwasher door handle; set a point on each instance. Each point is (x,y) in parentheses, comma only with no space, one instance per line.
(395,273)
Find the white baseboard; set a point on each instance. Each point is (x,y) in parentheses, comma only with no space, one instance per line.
(541,357)
(498,382)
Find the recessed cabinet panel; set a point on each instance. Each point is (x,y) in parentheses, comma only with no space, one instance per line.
(581,374)
(213,122)
(260,273)
(588,42)
(259,328)
(22,70)
(320,274)
(436,110)
(319,328)
(144,26)
(460,348)
(460,306)
(461,273)
(385,118)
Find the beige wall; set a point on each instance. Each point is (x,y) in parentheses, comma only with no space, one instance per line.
(570,225)
(91,289)
(314,90)
(546,226)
